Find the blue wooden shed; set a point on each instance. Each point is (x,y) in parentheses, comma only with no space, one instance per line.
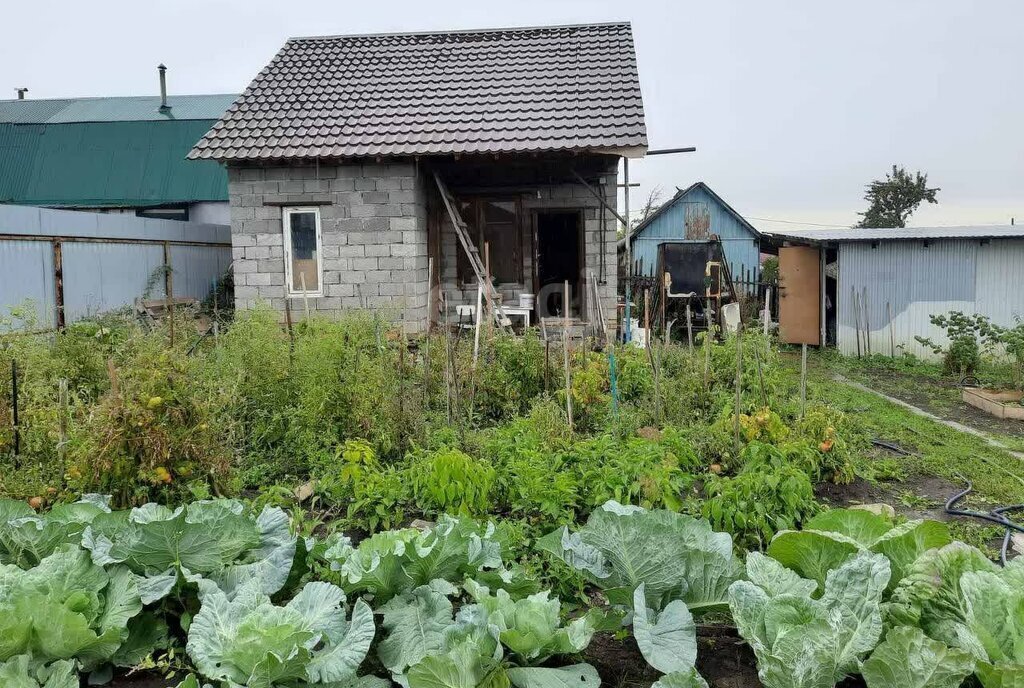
(694,215)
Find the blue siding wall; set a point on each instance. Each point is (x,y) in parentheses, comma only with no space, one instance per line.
(739,243)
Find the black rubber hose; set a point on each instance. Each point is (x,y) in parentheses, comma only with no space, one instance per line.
(995,516)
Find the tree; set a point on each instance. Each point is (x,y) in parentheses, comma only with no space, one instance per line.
(892,200)
(649,207)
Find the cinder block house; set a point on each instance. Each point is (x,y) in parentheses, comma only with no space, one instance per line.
(354,160)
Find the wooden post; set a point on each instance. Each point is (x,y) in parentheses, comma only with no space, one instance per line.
(650,355)
(62,401)
(767,309)
(14,401)
(739,392)
(856,317)
(565,339)
(288,322)
(803,379)
(169,277)
(487,277)
(58,281)
(477,318)
(447,357)
(216,315)
(867,322)
(689,327)
(708,333)
(426,340)
(305,296)
(892,335)
(547,359)
(664,297)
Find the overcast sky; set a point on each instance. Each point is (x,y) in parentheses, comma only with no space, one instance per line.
(793,106)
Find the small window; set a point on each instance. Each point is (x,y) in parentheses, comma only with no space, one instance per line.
(495,223)
(302,251)
(177,212)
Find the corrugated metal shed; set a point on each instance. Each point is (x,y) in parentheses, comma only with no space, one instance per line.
(969,275)
(107,152)
(698,204)
(901,233)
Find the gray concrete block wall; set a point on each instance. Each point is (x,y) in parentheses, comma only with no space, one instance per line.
(373,228)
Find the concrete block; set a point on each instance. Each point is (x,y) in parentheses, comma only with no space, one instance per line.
(364,263)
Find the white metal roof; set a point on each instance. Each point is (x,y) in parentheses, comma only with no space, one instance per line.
(902,233)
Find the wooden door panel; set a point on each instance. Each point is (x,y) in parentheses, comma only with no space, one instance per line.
(800,302)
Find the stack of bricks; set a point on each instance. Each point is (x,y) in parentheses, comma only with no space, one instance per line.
(373,228)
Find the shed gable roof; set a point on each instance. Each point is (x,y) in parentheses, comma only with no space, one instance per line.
(492,91)
(680,194)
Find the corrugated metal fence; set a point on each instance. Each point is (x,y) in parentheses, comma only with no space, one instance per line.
(917,281)
(70,264)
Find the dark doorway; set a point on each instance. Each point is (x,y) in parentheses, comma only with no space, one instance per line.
(558,260)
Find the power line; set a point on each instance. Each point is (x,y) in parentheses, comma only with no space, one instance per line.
(795,222)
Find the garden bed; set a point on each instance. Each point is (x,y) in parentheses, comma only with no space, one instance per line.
(1001,404)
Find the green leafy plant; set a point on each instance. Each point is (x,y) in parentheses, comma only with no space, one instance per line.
(66,608)
(448,480)
(675,556)
(22,672)
(965,333)
(397,561)
(219,540)
(770,494)
(26,538)
(802,642)
(248,641)
(910,659)
(832,537)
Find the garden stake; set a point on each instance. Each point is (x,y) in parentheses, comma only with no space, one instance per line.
(216,316)
(803,378)
(760,377)
(613,377)
(867,322)
(14,400)
(767,309)
(856,317)
(62,401)
(707,354)
(170,289)
(447,358)
(288,324)
(689,327)
(426,341)
(739,381)
(648,342)
(305,296)
(565,338)
(547,361)
(892,336)
(664,323)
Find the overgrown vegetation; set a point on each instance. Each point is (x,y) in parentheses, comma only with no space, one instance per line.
(258,479)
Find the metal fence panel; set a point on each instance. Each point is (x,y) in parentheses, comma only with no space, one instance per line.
(104,277)
(196,268)
(26,274)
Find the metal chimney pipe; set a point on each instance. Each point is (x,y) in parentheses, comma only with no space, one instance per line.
(21,93)
(163,88)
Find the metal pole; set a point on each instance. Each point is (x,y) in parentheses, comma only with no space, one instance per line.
(629,251)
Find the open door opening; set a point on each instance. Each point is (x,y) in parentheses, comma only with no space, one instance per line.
(559,258)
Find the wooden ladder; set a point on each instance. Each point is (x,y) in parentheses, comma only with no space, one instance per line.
(462,232)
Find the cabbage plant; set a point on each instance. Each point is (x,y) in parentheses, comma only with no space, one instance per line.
(22,672)
(397,561)
(802,642)
(220,540)
(66,608)
(246,640)
(960,598)
(674,556)
(494,642)
(830,538)
(26,538)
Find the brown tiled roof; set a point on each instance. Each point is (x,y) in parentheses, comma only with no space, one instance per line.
(494,91)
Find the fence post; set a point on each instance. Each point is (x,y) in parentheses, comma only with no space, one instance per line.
(58,281)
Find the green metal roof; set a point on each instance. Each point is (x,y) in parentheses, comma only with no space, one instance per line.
(108,152)
(120,109)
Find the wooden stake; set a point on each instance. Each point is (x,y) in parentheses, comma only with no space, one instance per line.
(856,317)
(447,358)
(477,318)
(305,296)
(892,335)
(62,401)
(487,275)
(867,322)
(664,292)
(547,361)
(689,327)
(170,289)
(803,379)
(767,309)
(426,340)
(565,338)
(739,385)
(216,316)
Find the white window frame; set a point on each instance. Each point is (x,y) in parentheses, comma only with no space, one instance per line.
(286,214)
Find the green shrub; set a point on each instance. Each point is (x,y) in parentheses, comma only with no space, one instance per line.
(448,480)
(770,494)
